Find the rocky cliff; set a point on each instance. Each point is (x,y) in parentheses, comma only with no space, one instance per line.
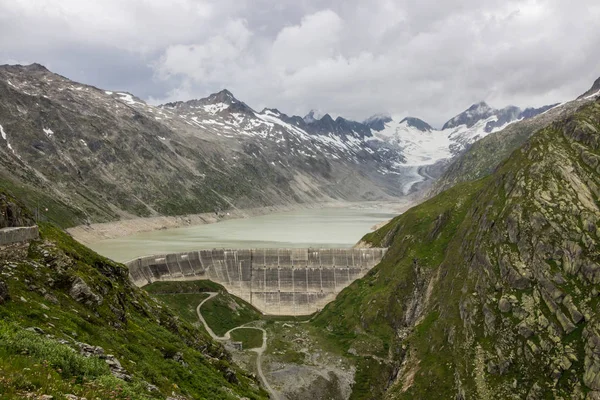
(489,290)
(11,214)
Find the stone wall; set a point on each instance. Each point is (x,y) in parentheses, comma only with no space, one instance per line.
(10,236)
(276,281)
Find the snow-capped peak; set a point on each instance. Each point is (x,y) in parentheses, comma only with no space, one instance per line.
(377,122)
(312,116)
(470,116)
(417,123)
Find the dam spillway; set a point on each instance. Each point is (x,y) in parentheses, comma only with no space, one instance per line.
(275,281)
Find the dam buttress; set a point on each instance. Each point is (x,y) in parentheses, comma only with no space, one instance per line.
(275,281)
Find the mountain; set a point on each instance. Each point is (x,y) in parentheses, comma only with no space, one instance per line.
(593,92)
(72,326)
(490,289)
(91,155)
(470,116)
(377,122)
(313,116)
(486,154)
(495,119)
(417,124)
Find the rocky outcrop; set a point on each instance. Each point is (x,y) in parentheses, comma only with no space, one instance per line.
(81,292)
(512,311)
(4,295)
(12,214)
(115,366)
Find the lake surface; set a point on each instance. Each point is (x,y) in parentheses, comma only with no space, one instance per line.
(321,228)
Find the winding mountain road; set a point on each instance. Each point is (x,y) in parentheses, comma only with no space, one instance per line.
(227,336)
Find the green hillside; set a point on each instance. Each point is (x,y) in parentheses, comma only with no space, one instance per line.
(490,289)
(59,300)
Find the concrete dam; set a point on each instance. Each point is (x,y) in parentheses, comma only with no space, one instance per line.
(275,281)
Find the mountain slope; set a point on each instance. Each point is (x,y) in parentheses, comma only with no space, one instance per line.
(102,155)
(71,322)
(486,154)
(490,289)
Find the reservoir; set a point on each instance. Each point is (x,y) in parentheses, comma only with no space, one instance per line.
(339,227)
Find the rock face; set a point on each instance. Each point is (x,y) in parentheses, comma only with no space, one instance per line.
(82,293)
(491,289)
(12,215)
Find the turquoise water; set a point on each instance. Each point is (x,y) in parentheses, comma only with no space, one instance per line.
(324,228)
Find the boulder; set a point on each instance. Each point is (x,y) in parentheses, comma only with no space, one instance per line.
(504,305)
(82,293)
(4,296)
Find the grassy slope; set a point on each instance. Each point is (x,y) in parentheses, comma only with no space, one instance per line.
(366,315)
(143,335)
(427,317)
(58,212)
(221,313)
(250,338)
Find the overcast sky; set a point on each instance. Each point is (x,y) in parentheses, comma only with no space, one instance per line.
(424,58)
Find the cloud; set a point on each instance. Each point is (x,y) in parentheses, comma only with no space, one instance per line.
(317,37)
(424,58)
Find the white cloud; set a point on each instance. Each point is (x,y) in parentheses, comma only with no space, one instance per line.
(212,60)
(317,37)
(421,57)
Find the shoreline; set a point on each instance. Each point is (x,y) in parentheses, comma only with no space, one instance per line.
(90,234)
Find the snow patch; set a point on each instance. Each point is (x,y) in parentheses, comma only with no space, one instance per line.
(593,95)
(4,136)
(215,108)
(48,132)
(418,147)
(108,92)
(126,97)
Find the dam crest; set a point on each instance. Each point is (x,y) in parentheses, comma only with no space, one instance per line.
(275,281)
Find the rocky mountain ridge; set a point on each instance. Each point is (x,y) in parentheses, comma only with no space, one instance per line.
(483,156)
(491,289)
(91,155)
(102,155)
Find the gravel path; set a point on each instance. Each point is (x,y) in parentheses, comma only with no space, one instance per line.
(227,336)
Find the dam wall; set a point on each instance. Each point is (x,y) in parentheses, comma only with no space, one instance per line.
(10,236)
(275,281)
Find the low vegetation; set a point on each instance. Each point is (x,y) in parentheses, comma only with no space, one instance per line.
(490,289)
(250,338)
(72,323)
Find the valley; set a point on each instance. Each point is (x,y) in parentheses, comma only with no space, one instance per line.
(475,275)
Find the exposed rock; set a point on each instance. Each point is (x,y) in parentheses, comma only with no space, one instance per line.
(82,293)
(36,330)
(230,375)
(12,214)
(4,295)
(504,305)
(591,377)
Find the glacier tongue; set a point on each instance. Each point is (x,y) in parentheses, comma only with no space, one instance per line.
(421,148)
